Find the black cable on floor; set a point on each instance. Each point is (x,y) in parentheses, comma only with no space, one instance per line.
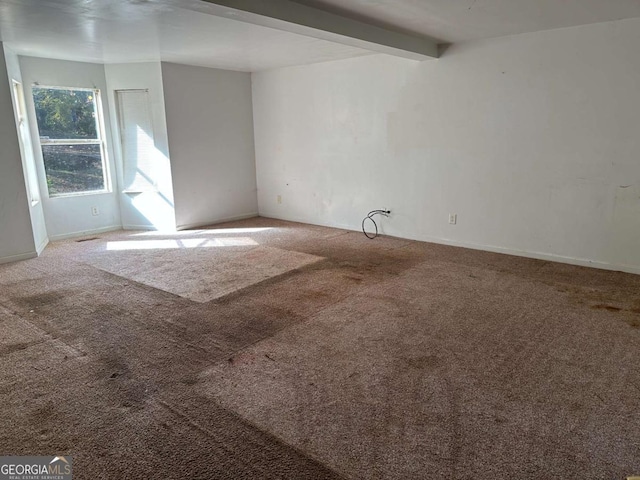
(370,216)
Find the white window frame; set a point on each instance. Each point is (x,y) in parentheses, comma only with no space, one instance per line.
(101,134)
(31,175)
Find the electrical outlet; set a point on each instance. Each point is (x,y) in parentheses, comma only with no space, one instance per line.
(453,218)
(95,211)
(279,199)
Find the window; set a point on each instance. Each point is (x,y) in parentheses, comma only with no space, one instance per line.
(25,144)
(71,136)
(139,155)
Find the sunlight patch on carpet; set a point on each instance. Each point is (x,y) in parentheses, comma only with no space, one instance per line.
(200,274)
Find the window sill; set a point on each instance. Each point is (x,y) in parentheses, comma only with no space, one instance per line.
(78,194)
(138,192)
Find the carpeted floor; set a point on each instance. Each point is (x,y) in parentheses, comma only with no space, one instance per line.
(265,349)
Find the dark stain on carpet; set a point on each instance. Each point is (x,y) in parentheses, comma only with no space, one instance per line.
(609,308)
(41,299)
(16,347)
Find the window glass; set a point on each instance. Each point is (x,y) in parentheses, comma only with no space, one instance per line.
(66,114)
(73,168)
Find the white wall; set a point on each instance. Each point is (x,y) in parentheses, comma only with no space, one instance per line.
(36,212)
(148,210)
(16,235)
(533,140)
(70,216)
(210,129)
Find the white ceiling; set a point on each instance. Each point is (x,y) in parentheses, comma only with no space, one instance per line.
(114,31)
(450,21)
(111,31)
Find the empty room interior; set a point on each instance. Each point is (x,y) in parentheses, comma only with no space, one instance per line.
(321,239)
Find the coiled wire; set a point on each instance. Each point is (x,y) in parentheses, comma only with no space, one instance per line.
(370,216)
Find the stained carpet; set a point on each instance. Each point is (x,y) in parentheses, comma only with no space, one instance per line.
(326,355)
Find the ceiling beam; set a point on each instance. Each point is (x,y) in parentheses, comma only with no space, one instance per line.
(313,22)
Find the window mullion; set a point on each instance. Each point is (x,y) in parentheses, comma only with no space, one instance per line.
(66,141)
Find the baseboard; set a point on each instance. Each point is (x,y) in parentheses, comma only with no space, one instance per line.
(581,262)
(217,221)
(17,258)
(308,222)
(550,257)
(149,228)
(40,248)
(66,236)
